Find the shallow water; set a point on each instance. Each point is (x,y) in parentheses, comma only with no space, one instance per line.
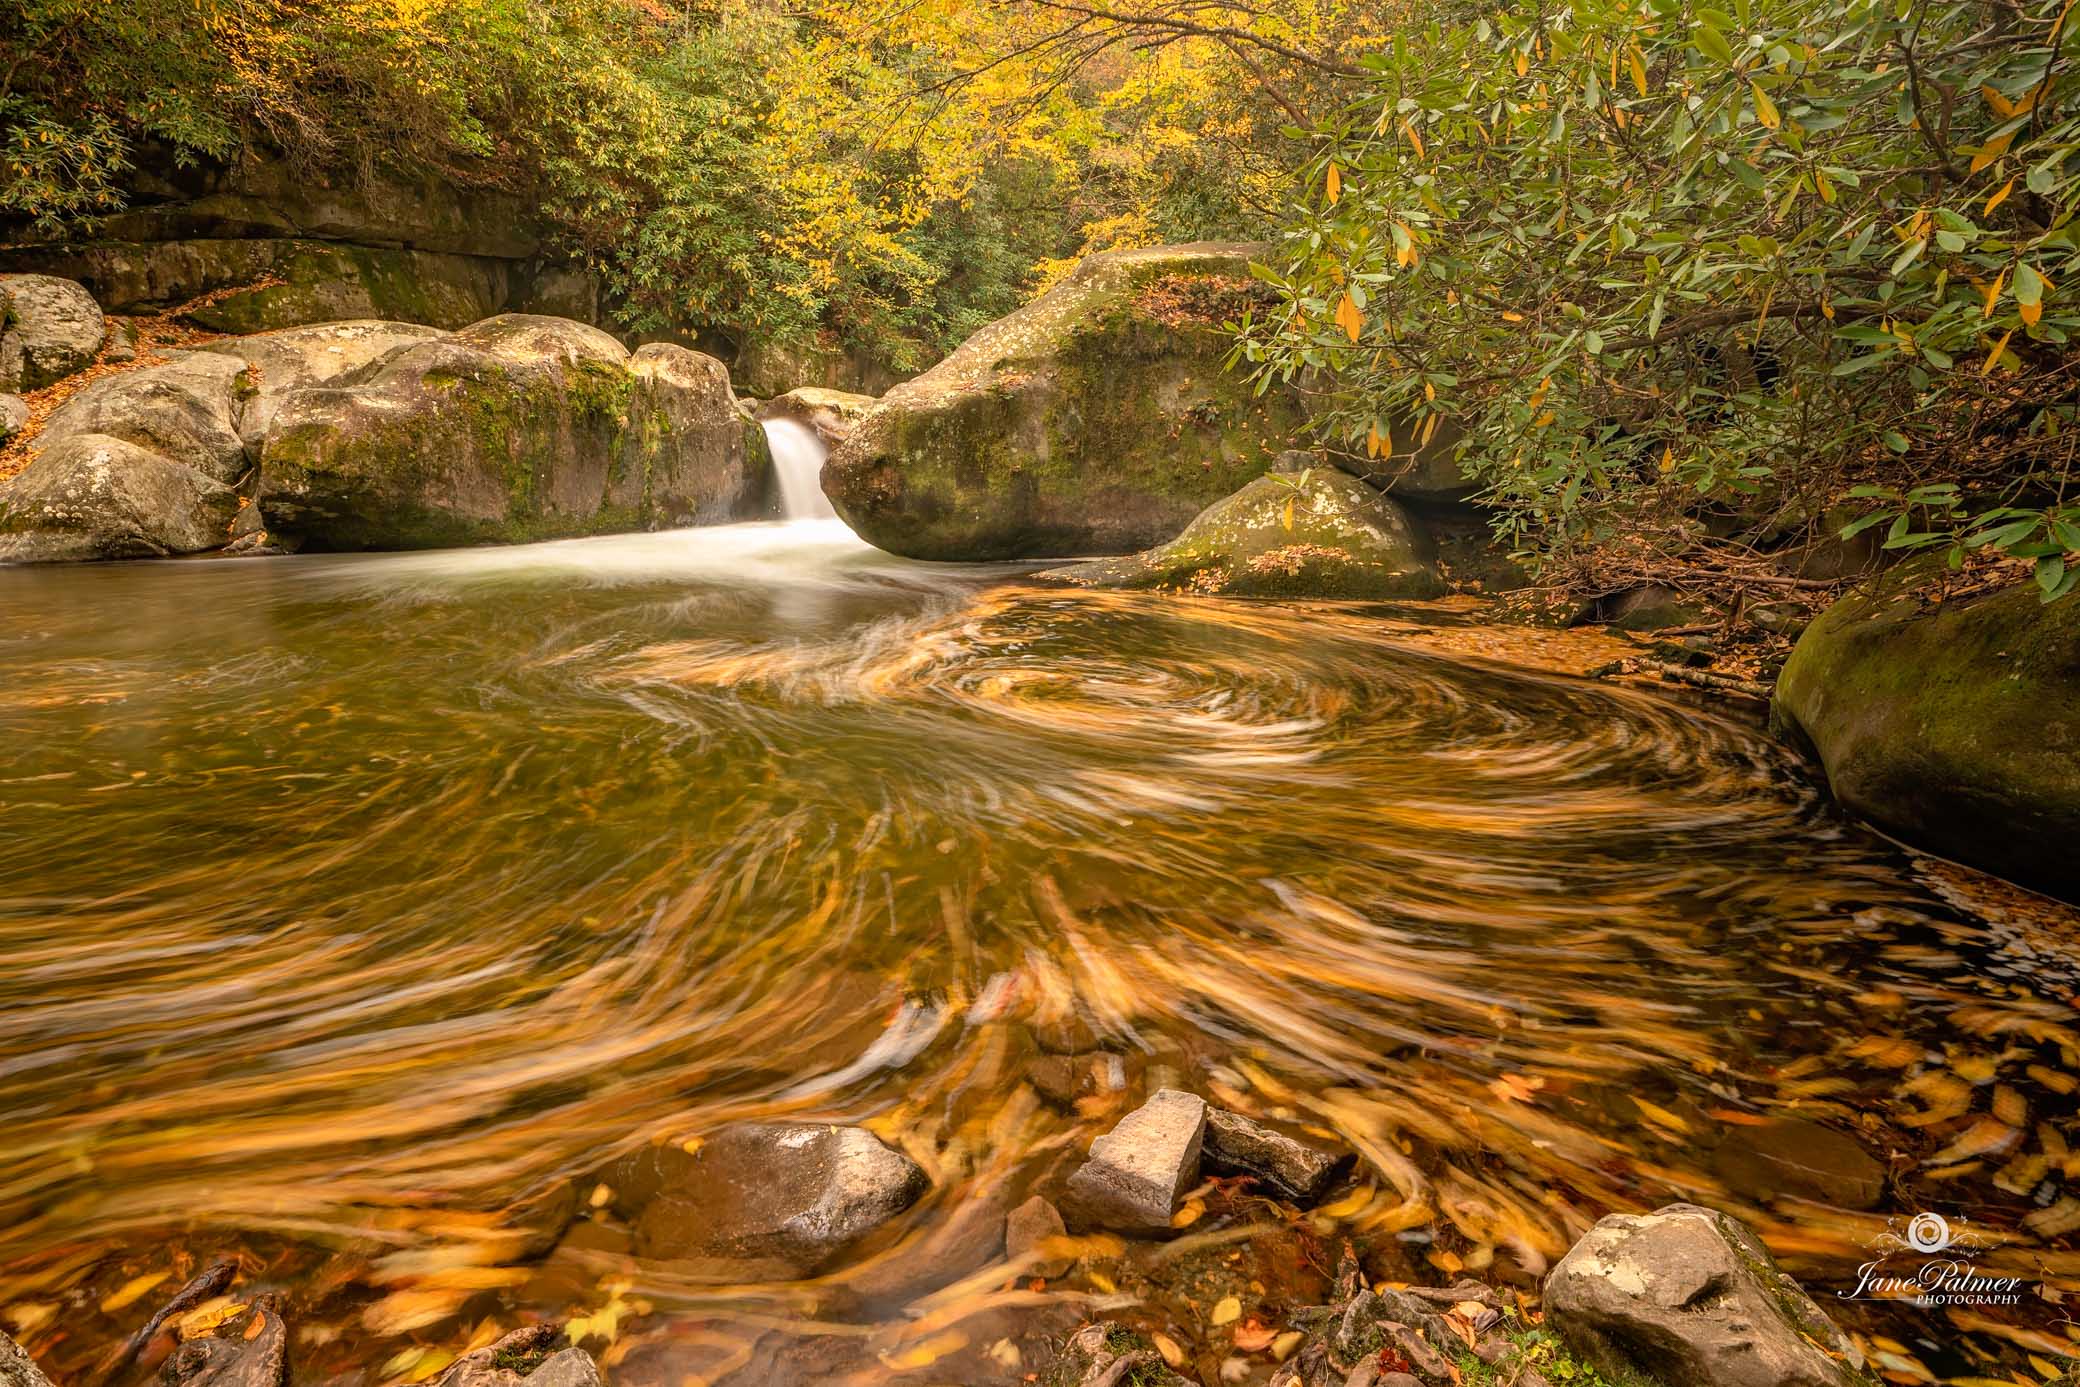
(349,904)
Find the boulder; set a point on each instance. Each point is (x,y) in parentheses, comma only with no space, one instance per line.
(250,1349)
(795,1193)
(17,1368)
(184,410)
(1315,533)
(516,428)
(1298,1170)
(1953,724)
(1095,420)
(14,416)
(832,413)
(265,284)
(280,363)
(535,1354)
(1139,1169)
(89,496)
(50,328)
(1690,1298)
(766,368)
(1412,471)
(1791,1156)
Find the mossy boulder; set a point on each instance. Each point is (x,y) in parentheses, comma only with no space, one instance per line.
(1097,419)
(203,413)
(1312,533)
(516,428)
(1953,724)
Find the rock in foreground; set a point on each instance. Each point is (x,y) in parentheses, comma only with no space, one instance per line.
(1289,1167)
(797,1193)
(17,1368)
(1954,725)
(1691,1298)
(536,1355)
(1314,533)
(1095,420)
(517,428)
(1137,1171)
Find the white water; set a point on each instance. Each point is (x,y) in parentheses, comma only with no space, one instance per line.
(798,456)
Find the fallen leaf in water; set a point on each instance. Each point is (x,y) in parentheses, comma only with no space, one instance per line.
(925,1354)
(1252,1336)
(1228,1311)
(1286,1344)
(1986,1137)
(1005,1355)
(1188,1215)
(1515,1088)
(204,1318)
(602,1196)
(1167,1346)
(130,1290)
(28,1315)
(1350,1204)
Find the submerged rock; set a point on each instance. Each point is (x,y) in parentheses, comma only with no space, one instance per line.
(1298,1170)
(1097,419)
(793,1192)
(1804,1160)
(17,1368)
(1137,1171)
(50,328)
(247,1350)
(516,428)
(537,1355)
(1691,1298)
(1028,1226)
(1955,725)
(1343,541)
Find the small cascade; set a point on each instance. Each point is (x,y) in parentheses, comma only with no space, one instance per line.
(798,455)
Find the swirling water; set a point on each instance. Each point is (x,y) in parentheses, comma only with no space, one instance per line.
(353,907)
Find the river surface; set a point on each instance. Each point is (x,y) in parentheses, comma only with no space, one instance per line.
(355,909)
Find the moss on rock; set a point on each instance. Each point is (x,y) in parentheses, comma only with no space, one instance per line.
(1317,533)
(1097,419)
(1955,725)
(517,428)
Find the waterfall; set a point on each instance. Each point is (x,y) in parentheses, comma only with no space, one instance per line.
(798,455)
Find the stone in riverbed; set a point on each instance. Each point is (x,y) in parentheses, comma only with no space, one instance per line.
(1237,1145)
(1136,1171)
(1691,1298)
(17,1368)
(1344,541)
(1804,1160)
(793,1192)
(1031,1224)
(247,1350)
(536,1355)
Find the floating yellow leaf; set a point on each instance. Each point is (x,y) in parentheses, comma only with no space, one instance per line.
(130,1290)
(1227,1312)
(1167,1346)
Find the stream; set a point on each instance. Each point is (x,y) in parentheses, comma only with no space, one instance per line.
(353,907)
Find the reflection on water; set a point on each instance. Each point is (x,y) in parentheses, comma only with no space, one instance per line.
(350,908)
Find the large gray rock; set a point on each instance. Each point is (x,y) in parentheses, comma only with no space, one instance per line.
(1096,420)
(1313,533)
(90,496)
(184,410)
(1138,1170)
(534,1354)
(50,328)
(516,428)
(14,416)
(1955,725)
(281,363)
(1029,1226)
(795,1193)
(17,1368)
(1691,1298)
